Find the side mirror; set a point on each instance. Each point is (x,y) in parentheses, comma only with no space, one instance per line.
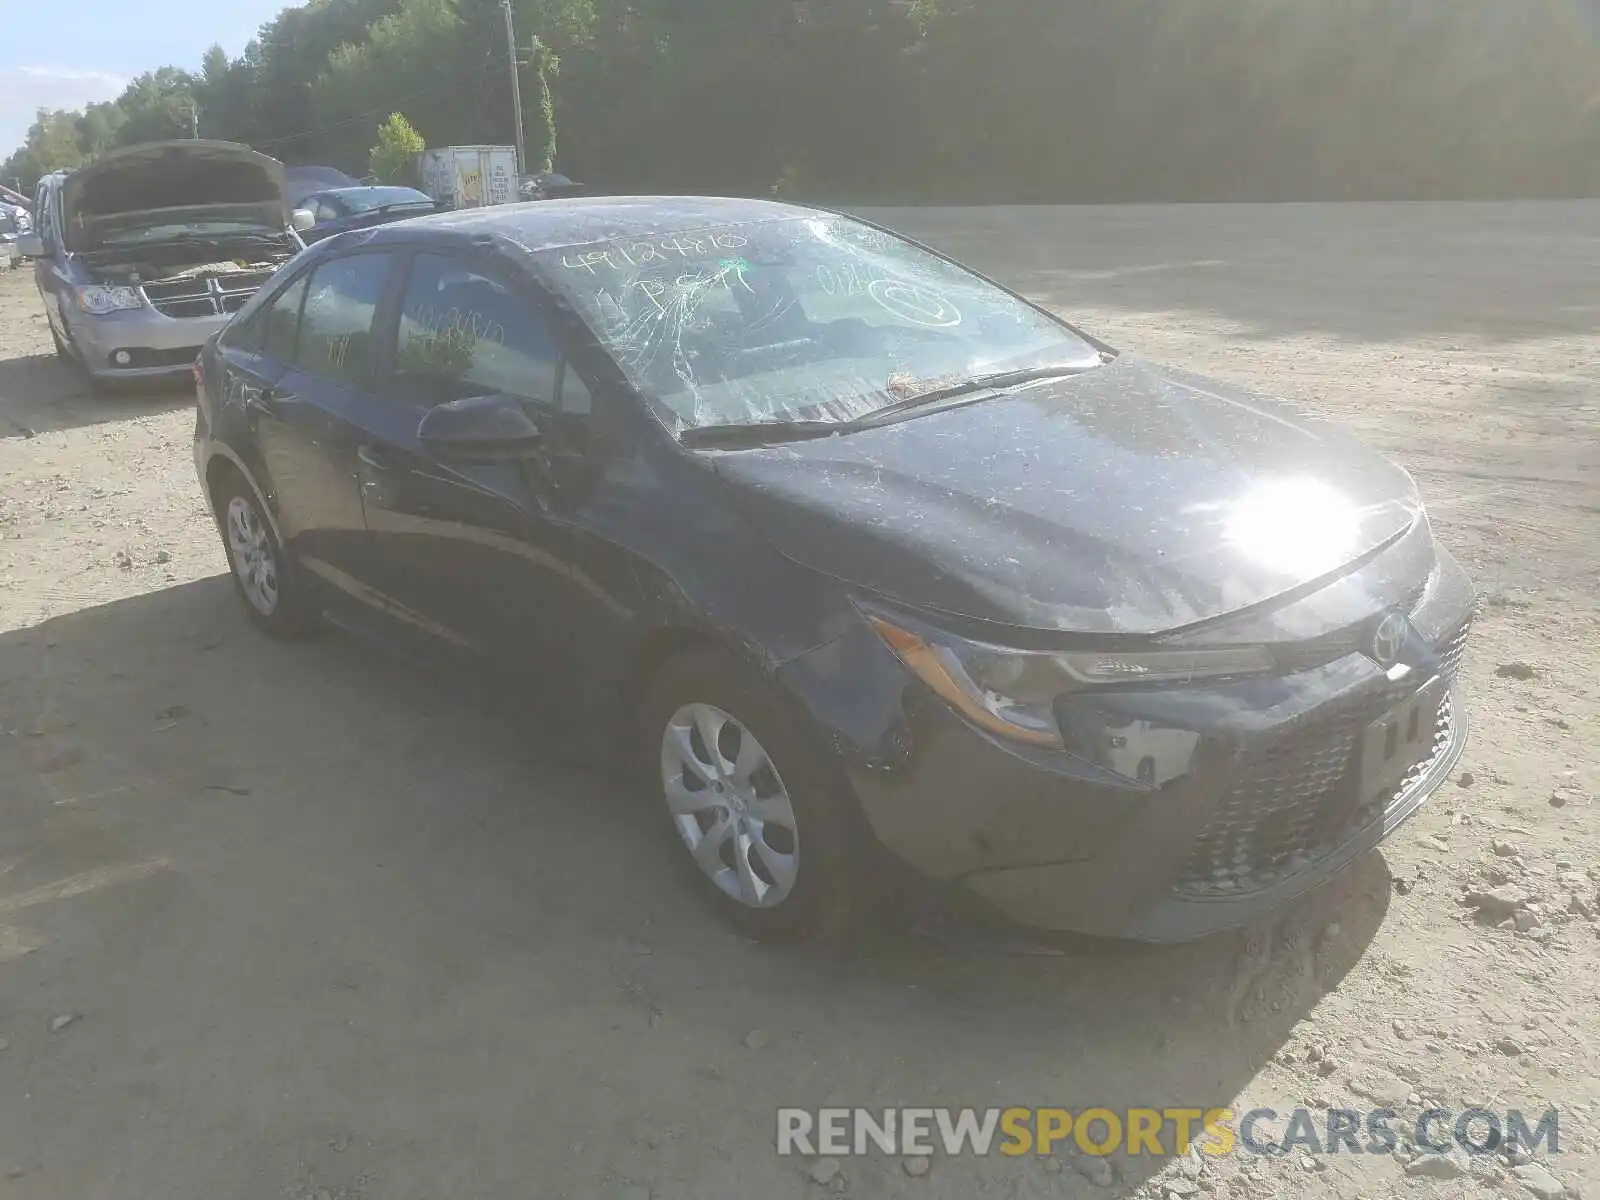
(480,429)
(30,245)
(302,219)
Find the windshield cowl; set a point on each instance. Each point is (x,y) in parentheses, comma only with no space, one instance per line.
(950,395)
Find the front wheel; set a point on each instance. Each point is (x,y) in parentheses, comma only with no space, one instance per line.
(62,352)
(754,816)
(263,574)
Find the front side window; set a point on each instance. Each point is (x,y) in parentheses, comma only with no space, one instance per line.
(336,324)
(463,333)
(816,318)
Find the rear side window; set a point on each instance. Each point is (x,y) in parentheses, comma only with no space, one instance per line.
(336,323)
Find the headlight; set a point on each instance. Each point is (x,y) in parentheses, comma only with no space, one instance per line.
(98,300)
(1013,692)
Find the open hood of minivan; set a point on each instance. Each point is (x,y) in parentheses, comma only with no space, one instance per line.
(169,183)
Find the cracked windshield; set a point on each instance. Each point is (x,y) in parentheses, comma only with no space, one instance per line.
(817,319)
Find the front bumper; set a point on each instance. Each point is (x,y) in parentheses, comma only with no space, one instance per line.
(158,346)
(1191,809)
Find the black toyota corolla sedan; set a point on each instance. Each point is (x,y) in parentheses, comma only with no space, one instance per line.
(870,560)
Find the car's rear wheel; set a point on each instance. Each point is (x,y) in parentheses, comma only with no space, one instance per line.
(264,575)
(754,815)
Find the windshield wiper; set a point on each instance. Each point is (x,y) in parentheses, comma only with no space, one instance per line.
(994,381)
(758,433)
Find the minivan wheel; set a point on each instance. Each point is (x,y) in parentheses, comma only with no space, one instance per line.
(752,814)
(263,574)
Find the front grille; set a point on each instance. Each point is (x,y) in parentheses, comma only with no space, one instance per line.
(1295,802)
(236,290)
(1453,648)
(204,297)
(183,298)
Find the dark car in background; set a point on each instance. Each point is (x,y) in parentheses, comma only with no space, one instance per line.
(549,185)
(339,209)
(867,559)
(302,181)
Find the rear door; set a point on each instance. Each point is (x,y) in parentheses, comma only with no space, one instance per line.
(302,382)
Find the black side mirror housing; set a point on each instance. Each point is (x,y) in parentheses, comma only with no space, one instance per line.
(481,429)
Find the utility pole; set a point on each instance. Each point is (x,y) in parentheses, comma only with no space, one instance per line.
(516,86)
(194,121)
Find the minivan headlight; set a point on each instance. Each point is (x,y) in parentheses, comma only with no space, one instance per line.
(98,300)
(1013,692)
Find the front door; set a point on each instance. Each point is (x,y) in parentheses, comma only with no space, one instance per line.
(469,546)
(486,552)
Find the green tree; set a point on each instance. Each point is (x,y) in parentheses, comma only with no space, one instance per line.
(397,65)
(52,145)
(1023,100)
(542,125)
(156,107)
(394,158)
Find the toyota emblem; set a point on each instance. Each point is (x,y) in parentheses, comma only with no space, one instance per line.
(1388,639)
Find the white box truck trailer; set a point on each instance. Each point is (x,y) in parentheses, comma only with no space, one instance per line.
(470,176)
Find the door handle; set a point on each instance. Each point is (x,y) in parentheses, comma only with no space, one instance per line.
(266,399)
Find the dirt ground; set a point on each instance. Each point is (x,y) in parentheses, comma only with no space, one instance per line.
(298,922)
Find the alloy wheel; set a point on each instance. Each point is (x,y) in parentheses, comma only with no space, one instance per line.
(255,564)
(730,806)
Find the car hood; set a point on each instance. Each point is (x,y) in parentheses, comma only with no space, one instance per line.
(1130,499)
(171,182)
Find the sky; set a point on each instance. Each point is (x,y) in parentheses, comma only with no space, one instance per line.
(68,53)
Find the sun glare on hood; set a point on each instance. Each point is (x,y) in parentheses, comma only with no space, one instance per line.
(1301,527)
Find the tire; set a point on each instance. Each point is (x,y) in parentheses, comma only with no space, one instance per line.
(265,577)
(814,902)
(64,354)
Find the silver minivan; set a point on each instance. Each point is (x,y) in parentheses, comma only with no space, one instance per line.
(145,253)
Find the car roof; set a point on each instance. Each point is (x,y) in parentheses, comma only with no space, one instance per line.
(557,224)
